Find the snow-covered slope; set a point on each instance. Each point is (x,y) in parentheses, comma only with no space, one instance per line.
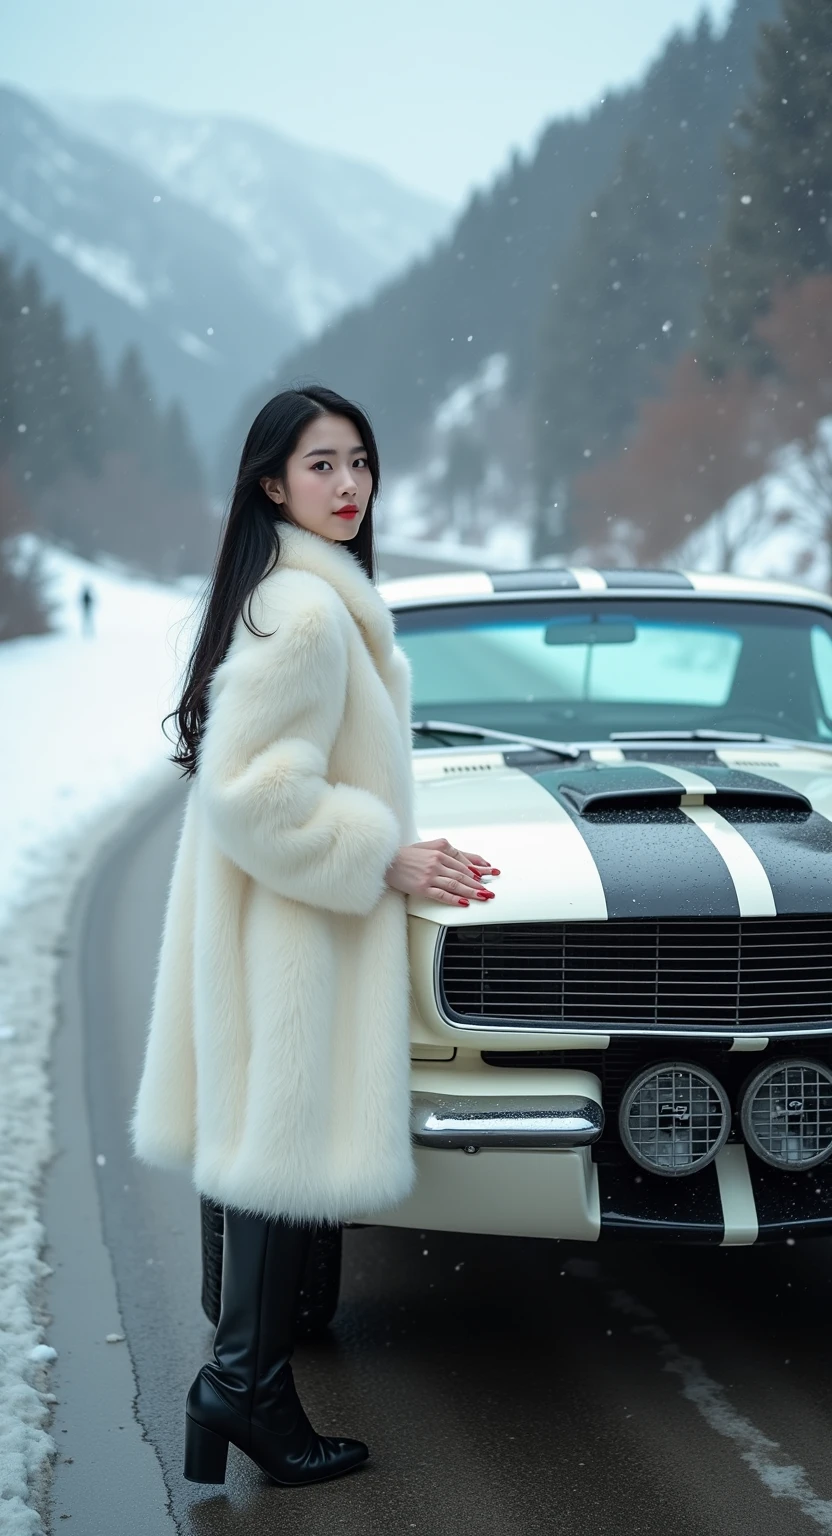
(65,791)
(140,640)
(779,525)
(469,501)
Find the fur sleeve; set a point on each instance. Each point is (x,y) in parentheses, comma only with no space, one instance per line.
(275,706)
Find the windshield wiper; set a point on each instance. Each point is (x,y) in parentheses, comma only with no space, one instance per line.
(453,727)
(704,733)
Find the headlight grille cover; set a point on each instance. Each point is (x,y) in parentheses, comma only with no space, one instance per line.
(674,1117)
(786,1113)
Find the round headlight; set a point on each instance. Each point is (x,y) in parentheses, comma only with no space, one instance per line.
(674,1117)
(786,1113)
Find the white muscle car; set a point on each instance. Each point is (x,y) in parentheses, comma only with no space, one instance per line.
(635,1037)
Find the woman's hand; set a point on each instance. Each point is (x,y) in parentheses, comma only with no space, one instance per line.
(441,872)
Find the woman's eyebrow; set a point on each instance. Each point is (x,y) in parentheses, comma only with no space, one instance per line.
(358,449)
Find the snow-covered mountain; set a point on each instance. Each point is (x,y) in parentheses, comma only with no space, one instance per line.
(179,257)
(322,231)
(136,265)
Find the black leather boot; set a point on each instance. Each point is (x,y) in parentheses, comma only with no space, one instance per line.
(246,1394)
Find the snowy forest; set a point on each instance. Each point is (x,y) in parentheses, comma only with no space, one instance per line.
(87,460)
(623,347)
(665,450)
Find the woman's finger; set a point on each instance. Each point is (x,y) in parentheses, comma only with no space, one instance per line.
(457,893)
(475,858)
(464,879)
(458,868)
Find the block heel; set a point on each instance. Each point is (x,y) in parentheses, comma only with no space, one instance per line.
(206,1454)
(246,1395)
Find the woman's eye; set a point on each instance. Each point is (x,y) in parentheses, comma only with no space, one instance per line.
(319,462)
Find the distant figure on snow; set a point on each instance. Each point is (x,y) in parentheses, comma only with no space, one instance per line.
(87,598)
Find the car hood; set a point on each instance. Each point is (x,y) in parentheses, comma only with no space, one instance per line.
(635,834)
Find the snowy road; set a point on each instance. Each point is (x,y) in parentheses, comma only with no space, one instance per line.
(503,1386)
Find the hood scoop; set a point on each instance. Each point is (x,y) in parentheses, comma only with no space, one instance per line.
(638,787)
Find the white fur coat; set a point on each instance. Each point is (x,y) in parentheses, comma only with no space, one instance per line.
(277,1060)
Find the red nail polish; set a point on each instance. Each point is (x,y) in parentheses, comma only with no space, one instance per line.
(475,872)
(464,903)
(482,895)
(495,871)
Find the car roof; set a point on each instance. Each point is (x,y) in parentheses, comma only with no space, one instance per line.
(575,581)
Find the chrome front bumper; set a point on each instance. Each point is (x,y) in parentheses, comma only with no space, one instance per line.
(556,1120)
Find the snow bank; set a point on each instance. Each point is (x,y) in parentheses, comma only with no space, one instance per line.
(82,747)
(779,526)
(489,526)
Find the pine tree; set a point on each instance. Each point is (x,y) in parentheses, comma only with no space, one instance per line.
(85,406)
(779,166)
(464,471)
(179,464)
(620,297)
(9,305)
(91,463)
(134,421)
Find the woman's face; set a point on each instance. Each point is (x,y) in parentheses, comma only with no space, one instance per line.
(327,472)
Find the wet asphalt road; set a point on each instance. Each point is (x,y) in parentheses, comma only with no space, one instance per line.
(505,1387)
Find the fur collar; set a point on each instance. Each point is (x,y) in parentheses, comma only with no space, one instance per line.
(337,564)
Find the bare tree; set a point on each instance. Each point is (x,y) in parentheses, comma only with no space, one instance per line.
(798,329)
(23,605)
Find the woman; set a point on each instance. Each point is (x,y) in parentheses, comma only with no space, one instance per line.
(276,1064)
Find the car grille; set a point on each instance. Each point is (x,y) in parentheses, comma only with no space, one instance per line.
(717,975)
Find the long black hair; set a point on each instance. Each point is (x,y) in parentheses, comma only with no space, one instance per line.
(250,537)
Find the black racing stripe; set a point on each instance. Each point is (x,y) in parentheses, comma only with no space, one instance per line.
(653,862)
(791,1204)
(636,1203)
(541,578)
(795,849)
(730,782)
(647,580)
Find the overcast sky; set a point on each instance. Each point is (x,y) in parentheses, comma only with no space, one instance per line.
(437,93)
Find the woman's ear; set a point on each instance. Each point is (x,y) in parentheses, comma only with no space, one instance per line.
(272,488)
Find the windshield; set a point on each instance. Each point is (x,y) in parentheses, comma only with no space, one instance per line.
(580,671)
